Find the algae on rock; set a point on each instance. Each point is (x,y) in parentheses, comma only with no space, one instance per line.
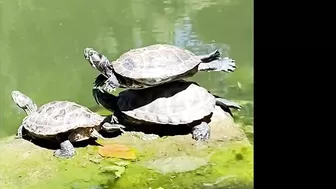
(176,164)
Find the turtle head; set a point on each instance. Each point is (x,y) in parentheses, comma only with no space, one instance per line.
(80,134)
(92,56)
(84,133)
(24,102)
(96,59)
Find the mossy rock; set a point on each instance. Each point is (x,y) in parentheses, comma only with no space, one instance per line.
(225,161)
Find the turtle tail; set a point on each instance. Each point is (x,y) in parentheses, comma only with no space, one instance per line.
(227,104)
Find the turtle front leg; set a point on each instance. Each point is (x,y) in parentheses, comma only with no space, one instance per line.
(201,132)
(225,64)
(111,83)
(95,134)
(19,132)
(112,127)
(67,150)
(99,81)
(111,124)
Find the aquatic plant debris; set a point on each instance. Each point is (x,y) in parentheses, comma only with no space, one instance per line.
(177,164)
(239,85)
(118,170)
(117,151)
(213,185)
(122,163)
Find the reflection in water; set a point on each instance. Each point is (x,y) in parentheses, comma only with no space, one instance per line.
(137,37)
(42,44)
(187,38)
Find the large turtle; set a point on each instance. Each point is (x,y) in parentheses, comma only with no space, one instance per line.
(63,121)
(154,65)
(173,103)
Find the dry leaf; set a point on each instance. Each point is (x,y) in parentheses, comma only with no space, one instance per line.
(117,151)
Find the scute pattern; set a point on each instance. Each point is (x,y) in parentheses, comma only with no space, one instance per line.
(181,104)
(156,62)
(60,116)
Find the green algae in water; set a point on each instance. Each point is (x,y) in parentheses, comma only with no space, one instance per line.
(245,118)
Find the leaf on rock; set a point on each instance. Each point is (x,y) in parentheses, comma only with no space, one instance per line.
(117,151)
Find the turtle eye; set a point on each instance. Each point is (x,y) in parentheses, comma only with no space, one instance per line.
(77,137)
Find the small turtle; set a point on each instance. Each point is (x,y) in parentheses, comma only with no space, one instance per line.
(173,103)
(63,121)
(154,65)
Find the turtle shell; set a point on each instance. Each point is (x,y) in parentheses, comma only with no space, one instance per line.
(59,117)
(155,63)
(172,103)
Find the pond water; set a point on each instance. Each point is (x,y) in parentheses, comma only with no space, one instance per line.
(42,42)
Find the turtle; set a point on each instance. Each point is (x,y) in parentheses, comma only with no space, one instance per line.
(174,103)
(154,65)
(62,121)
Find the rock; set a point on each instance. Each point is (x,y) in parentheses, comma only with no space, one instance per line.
(228,152)
(176,164)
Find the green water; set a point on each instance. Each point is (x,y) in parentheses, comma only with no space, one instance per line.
(42,42)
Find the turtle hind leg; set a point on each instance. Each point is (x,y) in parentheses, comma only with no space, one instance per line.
(210,57)
(225,64)
(201,132)
(67,150)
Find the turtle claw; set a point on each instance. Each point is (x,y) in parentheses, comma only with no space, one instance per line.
(63,154)
(230,66)
(111,128)
(101,80)
(18,137)
(114,119)
(111,84)
(109,88)
(19,133)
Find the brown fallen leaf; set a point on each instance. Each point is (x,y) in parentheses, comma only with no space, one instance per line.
(117,151)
